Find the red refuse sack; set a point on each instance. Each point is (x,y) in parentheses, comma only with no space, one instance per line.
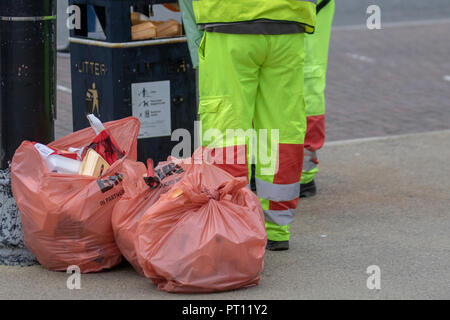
(66,218)
(140,195)
(206,234)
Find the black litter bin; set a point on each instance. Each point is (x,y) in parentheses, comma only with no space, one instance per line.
(152,80)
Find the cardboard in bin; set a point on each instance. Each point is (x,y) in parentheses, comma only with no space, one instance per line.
(142,31)
(143,28)
(168,28)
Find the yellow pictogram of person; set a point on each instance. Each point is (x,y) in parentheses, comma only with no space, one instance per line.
(92,95)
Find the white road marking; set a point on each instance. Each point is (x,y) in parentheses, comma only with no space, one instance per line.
(447,78)
(64,89)
(382,138)
(360,58)
(400,24)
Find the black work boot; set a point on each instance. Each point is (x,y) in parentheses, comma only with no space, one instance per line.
(308,190)
(253,179)
(277,245)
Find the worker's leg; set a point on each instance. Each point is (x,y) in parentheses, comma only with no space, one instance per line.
(280,110)
(228,82)
(316,47)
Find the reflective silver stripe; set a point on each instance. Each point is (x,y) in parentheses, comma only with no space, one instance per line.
(308,163)
(268,27)
(310,153)
(281,218)
(277,192)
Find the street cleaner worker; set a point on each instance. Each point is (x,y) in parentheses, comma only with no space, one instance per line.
(251,79)
(316,47)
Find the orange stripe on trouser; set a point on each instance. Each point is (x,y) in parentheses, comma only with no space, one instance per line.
(232,159)
(314,140)
(315,133)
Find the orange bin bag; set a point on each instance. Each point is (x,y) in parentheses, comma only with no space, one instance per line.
(138,198)
(66,219)
(206,234)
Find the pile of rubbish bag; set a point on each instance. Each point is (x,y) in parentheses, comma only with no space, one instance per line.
(186,225)
(206,234)
(66,217)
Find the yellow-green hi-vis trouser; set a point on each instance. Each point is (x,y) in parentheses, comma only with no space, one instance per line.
(255,82)
(316,47)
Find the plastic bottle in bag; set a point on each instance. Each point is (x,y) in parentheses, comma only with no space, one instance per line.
(57,163)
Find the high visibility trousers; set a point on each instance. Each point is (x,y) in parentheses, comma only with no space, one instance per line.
(255,82)
(316,47)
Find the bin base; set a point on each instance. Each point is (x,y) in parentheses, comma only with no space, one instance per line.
(11,256)
(12,247)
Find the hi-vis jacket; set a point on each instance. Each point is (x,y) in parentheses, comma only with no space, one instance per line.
(230,11)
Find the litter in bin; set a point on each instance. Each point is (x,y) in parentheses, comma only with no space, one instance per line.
(142,31)
(169,28)
(143,28)
(66,218)
(138,18)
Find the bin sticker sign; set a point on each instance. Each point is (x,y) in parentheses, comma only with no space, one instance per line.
(151,105)
(92,100)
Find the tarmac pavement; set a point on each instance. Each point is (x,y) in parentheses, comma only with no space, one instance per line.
(382,201)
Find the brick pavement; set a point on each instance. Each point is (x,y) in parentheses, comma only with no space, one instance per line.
(381,82)
(387,82)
